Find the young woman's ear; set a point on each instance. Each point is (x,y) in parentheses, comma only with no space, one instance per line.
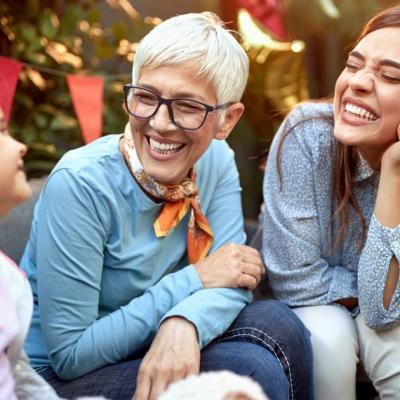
(232,116)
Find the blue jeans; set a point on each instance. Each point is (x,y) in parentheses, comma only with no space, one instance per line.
(266,342)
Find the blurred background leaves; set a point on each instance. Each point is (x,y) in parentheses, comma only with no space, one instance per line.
(57,37)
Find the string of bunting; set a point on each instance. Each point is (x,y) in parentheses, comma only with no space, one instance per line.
(87,90)
(86,93)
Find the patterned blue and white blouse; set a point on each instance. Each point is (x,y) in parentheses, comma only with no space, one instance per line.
(298,231)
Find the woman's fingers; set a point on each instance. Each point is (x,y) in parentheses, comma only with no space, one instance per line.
(173,354)
(143,387)
(225,267)
(158,386)
(247,281)
(253,259)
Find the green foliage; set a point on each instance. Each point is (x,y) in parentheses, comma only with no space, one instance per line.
(57,38)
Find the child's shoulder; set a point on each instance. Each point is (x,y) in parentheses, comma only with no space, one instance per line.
(10,270)
(12,277)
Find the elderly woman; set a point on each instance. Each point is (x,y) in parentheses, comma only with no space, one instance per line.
(332,218)
(136,246)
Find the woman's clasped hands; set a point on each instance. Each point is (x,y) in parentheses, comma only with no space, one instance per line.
(233,266)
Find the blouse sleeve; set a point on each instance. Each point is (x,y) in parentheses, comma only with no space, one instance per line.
(382,244)
(293,237)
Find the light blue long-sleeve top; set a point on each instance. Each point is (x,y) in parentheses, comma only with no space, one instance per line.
(102,281)
(298,232)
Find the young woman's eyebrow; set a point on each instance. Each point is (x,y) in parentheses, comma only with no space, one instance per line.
(385,62)
(390,63)
(357,55)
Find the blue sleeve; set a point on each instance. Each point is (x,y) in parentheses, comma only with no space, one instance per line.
(71,234)
(213,310)
(293,236)
(382,244)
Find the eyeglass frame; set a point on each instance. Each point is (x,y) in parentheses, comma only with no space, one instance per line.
(168,103)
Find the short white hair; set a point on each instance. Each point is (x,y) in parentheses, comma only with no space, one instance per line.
(199,39)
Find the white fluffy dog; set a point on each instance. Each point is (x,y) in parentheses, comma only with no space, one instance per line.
(222,385)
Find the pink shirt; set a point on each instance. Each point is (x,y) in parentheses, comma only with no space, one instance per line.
(12,292)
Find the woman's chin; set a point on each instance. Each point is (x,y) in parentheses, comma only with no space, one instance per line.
(166,179)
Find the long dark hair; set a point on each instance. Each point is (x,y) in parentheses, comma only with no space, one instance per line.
(345,157)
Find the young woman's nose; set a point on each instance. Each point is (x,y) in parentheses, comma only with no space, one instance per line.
(362,81)
(161,120)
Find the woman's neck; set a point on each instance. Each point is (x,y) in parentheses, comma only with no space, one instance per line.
(149,195)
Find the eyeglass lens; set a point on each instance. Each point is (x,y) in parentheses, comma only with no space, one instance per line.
(187,114)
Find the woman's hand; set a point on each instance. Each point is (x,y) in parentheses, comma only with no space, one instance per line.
(387,209)
(233,266)
(387,206)
(174,354)
(390,163)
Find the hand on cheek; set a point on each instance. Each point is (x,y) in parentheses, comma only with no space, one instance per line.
(390,163)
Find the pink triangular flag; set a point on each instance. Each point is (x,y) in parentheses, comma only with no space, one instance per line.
(270,13)
(87,98)
(9,73)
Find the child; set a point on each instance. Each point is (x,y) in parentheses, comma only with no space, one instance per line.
(18,380)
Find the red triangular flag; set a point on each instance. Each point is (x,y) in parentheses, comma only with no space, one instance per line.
(9,72)
(270,13)
(87,98)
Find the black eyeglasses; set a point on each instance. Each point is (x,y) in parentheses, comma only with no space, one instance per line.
(186,114)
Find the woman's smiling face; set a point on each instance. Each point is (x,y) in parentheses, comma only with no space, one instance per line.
(367,93)
(167,152)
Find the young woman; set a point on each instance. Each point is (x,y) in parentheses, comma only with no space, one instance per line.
(136,246)
(332,213)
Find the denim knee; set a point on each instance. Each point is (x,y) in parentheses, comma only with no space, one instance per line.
(266,313)
(248,359)
(274,326)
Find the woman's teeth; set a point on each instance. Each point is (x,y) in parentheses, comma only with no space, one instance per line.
(360,112)
(164,148)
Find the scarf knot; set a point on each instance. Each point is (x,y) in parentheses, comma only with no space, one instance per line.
(186,189)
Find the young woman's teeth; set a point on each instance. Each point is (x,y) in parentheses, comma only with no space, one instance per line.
(360,112)
(164,148)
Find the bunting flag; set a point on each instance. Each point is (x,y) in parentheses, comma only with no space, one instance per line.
(9,73)
(87,98)
(270,13)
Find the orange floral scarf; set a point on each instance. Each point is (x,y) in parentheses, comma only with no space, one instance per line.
(178,200)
